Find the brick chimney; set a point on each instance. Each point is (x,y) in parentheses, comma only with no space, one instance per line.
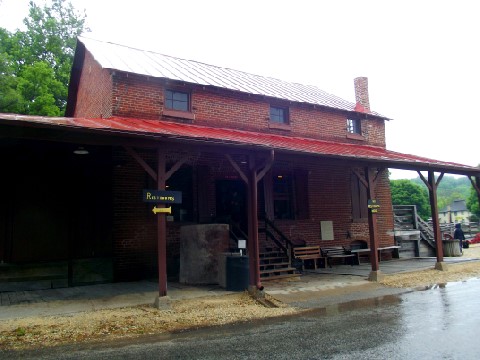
(361,94)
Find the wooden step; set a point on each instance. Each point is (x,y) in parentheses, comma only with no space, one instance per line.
(273,261)
(286,263)
(271,254)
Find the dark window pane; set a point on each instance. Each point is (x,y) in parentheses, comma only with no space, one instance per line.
(353,126)
(176,100)
(282,197)
(278,115)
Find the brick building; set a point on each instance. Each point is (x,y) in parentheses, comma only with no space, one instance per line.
(308,160)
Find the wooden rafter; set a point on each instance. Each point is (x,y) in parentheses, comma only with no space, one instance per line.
(267,166)
(142,162)
(237,168)
(475,185)
(361,178)
(176,166)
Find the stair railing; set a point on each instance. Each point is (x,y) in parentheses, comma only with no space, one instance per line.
(236,233)
(279,238)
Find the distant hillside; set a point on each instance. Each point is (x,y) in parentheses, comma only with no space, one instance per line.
(449,189)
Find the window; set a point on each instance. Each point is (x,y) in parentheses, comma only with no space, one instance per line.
(176,100)
(359,199)
(282,196)
(290,194)
(353,126)
(279,115)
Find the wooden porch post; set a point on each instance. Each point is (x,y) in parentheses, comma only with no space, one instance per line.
(253,247)
(432,190)
(255,174)
(161,228)
(375,274)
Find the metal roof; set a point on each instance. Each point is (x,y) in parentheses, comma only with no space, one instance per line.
(456,205)
(149,63)
(155,129)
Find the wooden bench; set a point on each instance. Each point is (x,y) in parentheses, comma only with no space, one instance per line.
(338,252)
(308,253)
(360,248)
(361,252)
(394,248)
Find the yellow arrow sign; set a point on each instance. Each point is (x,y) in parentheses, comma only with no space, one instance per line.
(167,210)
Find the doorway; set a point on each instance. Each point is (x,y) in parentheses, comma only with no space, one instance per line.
(231,203)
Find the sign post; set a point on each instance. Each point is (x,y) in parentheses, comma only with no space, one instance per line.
(162,197)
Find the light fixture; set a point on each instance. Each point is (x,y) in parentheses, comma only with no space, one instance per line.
(80,151)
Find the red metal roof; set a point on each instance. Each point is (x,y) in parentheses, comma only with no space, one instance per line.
(188,132)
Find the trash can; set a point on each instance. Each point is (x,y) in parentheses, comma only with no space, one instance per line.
(237,273)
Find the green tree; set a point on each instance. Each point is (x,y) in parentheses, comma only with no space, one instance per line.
(35,64)
(472,204)
(450,189)
(406,192)
(10,99)
(39,88)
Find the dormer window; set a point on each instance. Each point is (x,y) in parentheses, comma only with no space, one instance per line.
(177,100)
(279,115)
(353,126)
(178,105)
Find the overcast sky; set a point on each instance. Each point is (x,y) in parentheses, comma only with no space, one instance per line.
(422,58)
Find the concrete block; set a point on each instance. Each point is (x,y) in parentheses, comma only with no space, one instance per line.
(376,276)
(200,247)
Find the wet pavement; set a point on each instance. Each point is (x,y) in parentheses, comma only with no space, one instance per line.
(324,287)
(436,323)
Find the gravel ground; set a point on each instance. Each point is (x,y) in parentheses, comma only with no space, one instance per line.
(127,322)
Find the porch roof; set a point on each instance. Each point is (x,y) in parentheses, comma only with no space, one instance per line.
(154,129)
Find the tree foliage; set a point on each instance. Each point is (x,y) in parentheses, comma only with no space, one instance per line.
(35,64)
(472,204)
(450,189)
(406,192)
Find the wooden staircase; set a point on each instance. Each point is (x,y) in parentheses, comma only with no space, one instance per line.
(274,265)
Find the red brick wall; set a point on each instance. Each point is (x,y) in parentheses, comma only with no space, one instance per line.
(329,200)
(94,97)
(143,97)
(134,227)
(136,96)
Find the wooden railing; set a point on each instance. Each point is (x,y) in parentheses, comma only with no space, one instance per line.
(406,218)
(278,238)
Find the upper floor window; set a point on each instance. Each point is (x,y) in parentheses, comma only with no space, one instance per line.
(279,115)
(353,126)
(177,100)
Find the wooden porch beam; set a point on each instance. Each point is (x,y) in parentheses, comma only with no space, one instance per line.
(475,184)
(425,181)
(439,179)
(176,166)
(361,178)
(142,162)
(267,166)
(237,168)
(379,172)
